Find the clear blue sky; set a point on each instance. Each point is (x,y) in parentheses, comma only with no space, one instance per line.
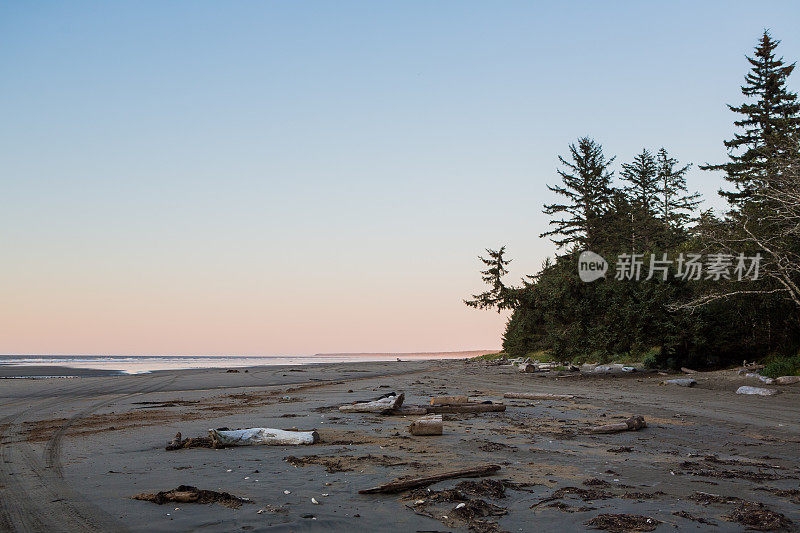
(296,177)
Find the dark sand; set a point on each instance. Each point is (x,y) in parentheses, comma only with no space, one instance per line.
(74,451)
(21,372)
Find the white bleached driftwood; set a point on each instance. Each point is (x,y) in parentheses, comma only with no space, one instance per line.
(787,380)
(381,405)
(683,382)
(537,396)
(759,391)
(262,436)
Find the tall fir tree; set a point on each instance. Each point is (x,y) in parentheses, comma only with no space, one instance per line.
(642,181)
(587,188)
(641,190)
(498,296)
(675,204)
(769,120)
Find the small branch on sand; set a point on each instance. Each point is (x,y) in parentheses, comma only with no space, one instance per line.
(413,483)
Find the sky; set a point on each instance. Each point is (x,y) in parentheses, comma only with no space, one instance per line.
(271,178)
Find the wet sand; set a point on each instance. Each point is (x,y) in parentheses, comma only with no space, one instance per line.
(74,451)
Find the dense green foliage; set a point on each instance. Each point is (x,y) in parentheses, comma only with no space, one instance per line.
(669,315)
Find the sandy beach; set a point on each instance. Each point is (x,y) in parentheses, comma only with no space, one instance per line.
(75,451)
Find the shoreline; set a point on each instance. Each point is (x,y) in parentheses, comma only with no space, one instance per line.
(74,366)
(76,451)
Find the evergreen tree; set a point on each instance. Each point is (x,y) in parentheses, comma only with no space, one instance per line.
(587,189)
(498,296)
(642,179)
(675,205)
(768,123)
(641,189)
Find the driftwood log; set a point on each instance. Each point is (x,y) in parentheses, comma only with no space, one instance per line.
(758,391)
(537,396)
(409,410)
(634,423)
(261,436)
(449,400)
(467,408)
(384,404)
(427,425)
(682,382)
(413,483)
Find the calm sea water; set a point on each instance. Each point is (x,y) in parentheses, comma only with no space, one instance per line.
(138,364)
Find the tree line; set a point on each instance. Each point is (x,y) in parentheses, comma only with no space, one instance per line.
(744,305)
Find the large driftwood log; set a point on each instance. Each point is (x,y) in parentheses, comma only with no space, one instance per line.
(409,410)
(413,483)
(537,396)
(758,391)
(262,436)
(426,425)
(467,408)
(634,423)
(449,400)
(381,405)
(787,380)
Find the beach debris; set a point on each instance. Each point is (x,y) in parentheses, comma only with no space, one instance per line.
(682,382)
(527,368)
(787,380)
(384,404)
(231,371)
(688,370)
(763,379)
(634,423)
(614,368)
(426,425)
(472,407)
(409,410)
(586,495)
(758,517)
(189,494)
(689,516)
(193,442)
(491,488)
(401,485)
(287,492)
(314,501)
(346,463)
(537,396)
(620,449)
(449,400)
(619,523)
(262,436)
(468,513)
(705,498)
(759,391)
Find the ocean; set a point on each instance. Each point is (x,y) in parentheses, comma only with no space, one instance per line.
(139,364)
